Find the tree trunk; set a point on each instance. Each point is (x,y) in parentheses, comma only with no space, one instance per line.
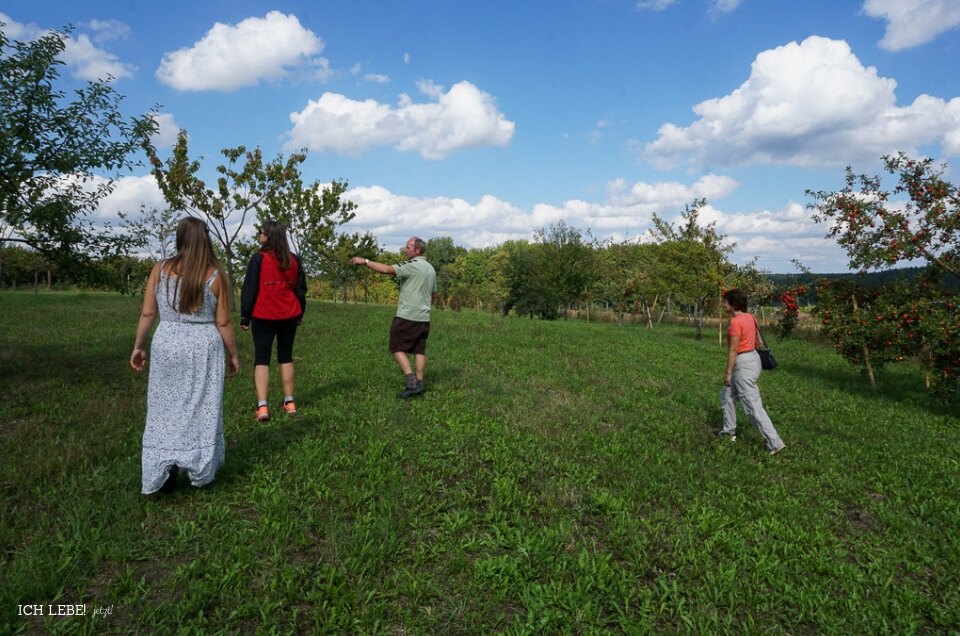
(231,275)
(866,354)
(698,317)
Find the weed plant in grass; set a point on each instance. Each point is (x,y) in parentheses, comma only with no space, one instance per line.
(556,477)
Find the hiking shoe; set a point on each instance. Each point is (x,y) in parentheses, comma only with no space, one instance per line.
(777,450)
(262,414)
(290,407)
(732,436)
(411,391)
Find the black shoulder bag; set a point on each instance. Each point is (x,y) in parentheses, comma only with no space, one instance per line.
(767,361)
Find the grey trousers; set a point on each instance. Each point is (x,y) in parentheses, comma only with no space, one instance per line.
(743,389)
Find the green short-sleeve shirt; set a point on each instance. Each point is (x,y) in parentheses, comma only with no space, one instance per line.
(418,284)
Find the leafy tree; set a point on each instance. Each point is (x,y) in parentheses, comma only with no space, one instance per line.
(19,265)
(693,259)
(156,230)
(876,234)
(334,261)
(60,156)
(904,319)
(441,251)
(253,189)
(497,288)
(473,280)
(528,291)
(628,280)
(310,214)
(566,264)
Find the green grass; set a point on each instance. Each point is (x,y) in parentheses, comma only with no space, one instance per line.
(556,477)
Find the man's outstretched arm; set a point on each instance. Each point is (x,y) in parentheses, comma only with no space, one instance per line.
(375,266)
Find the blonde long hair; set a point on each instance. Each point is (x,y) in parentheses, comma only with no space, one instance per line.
(195,256)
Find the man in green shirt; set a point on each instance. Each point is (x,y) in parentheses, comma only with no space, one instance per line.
(411,326)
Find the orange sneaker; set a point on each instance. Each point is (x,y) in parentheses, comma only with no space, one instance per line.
(290,407)
(262,414)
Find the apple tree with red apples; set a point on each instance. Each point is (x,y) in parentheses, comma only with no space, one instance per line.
(918,220)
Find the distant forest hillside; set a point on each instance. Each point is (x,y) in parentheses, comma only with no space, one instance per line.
(871,279)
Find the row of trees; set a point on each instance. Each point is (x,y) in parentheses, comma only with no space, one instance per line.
(683,266)
(565,268)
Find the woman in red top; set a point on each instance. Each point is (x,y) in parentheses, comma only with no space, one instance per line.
(743,370)
(272,302)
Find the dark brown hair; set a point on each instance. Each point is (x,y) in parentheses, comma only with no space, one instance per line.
(276,242)
(737,299)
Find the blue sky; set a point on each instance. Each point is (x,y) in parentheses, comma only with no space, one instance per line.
(484,121)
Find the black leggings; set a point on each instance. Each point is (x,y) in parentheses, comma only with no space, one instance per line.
(263,333)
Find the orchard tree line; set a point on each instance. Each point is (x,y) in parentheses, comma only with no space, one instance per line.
(675,268)
(61,153)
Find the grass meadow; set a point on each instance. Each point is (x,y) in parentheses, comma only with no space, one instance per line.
(557,477)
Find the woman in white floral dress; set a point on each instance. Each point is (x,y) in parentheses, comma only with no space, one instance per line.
(184,429)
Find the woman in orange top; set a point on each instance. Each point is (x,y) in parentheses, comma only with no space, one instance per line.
(743,370)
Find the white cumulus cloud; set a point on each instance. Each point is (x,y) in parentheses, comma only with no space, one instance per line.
(463,117)
(229,57)
(807,104)
(84,59)
(129,195)
(489,221)
(92,63)
(167,131)
(913,22)
(656,197)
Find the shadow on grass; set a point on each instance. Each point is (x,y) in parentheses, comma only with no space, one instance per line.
(890,388)
(262,445)
(100,360)
(444,375)
(316,392)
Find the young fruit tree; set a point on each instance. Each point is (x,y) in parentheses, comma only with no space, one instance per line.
(693,257)
(311,215)
(246,188)
(918,220)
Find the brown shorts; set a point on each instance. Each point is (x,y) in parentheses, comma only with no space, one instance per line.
(407,336)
